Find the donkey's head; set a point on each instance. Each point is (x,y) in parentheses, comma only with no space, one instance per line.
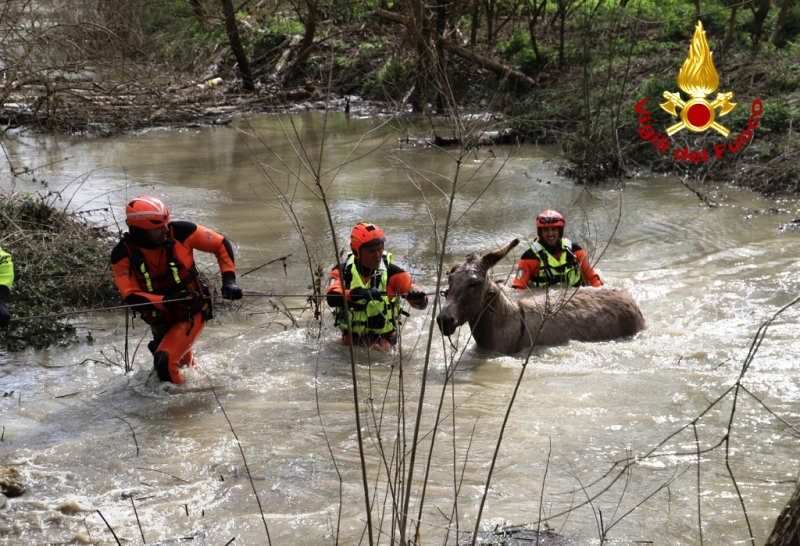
(468,285)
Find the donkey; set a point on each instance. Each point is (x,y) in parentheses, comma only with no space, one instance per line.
(502,325)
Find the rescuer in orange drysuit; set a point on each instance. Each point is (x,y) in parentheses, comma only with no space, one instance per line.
(552,259)
(154,263)
(371,283)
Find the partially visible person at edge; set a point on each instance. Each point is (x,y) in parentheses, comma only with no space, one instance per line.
(154,263)
(370,282)
(6,280)
(552,259)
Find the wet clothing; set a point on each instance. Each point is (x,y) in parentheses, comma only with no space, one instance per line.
(540,267)
(371,320)
(6,281)
(151,273)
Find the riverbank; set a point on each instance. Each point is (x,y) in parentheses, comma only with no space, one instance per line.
(61,263)
(576,87)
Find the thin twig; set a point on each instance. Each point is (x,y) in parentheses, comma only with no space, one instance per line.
(162,472)
(139,523)
(109,528)
(132,433)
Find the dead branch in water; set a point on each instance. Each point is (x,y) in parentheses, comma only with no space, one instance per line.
(133,433)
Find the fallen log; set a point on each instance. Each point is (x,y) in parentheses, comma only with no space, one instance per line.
(498,68)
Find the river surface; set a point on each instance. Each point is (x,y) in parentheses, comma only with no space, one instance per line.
(99,449)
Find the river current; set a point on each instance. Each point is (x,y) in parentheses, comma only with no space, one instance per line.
(600,441)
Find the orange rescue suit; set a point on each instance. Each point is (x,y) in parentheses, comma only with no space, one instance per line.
(176,327)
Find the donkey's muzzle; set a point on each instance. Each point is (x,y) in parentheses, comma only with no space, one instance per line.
(447,323)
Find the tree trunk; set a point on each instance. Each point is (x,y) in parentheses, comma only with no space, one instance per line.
(475,17)
(419,29)
(535,9)
(236,46)
(441,65)
(489,7)
(758,19)
(562,16)
(773,38)
(309,20)
(726,43)
(197,8)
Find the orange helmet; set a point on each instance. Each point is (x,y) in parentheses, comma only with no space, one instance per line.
(365,234)
(550,218)
(146,212)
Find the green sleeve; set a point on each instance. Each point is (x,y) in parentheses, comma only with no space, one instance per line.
(6,269)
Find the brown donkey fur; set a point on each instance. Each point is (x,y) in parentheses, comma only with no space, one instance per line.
(500,324)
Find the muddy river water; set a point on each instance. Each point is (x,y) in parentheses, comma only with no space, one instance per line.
(99,449)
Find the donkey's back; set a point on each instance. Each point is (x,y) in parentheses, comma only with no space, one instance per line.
(585,314)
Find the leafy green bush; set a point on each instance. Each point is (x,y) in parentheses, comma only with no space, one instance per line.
(369,87)
(527,61)
(519,41)
(791,27)
(784,77)
(776,118)
(393,73)
(162,16)
(173,34)
(677,29)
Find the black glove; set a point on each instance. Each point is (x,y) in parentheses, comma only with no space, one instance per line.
(179,298)
(5,316)
(230,291)
(415,296)
(363,295)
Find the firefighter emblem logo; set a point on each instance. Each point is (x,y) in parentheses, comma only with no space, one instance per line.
(698,78)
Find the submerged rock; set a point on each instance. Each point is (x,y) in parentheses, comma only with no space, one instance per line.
(11,484)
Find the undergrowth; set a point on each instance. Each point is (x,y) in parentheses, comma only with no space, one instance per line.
(61,263)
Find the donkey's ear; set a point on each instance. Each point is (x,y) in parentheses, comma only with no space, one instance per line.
(489,260)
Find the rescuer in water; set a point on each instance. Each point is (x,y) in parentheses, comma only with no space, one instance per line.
(154,263)
(369,284)
(552,259)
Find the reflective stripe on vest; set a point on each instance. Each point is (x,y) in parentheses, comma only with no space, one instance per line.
(172,266)
(377,317)
(564,270)
(172,274)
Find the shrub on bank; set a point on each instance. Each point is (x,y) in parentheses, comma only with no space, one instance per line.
(61,263)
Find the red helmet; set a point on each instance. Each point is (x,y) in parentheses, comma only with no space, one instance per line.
(146,212)
(550,218)
(365,234)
